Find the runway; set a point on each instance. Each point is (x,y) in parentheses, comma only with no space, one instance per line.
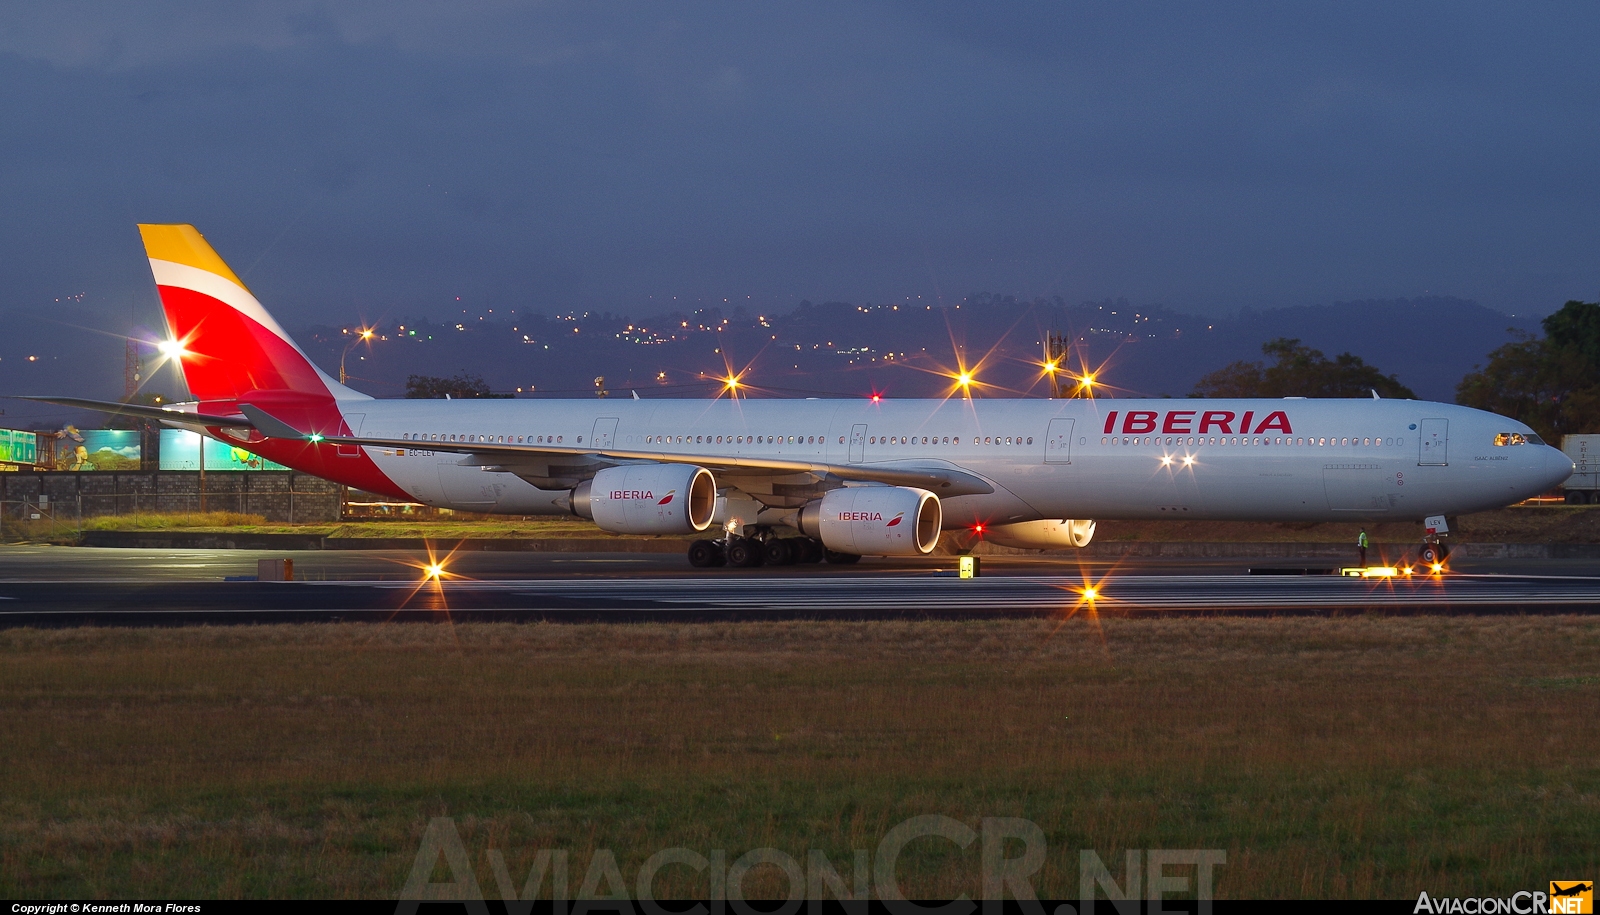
(68,587)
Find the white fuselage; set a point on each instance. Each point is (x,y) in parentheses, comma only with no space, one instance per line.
(1298,460)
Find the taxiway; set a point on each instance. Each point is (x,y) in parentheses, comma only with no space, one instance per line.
(62,586)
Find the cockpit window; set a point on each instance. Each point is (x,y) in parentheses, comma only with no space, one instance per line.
(1534,439)
(1513,438)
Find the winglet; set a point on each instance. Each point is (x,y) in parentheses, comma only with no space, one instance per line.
(270,425)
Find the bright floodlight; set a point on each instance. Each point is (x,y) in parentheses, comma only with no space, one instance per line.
(1090,593)
(1088,381)
(1050,367)
(732,382)
(366,333)
(964,379)
(172,349)
(433,570)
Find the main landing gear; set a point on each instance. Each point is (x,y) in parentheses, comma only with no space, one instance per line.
(763,548)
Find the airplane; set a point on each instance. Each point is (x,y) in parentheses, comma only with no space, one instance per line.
(783,481)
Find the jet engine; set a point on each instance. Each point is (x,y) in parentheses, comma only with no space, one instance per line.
(648,499)
(875,520)
(1042,535)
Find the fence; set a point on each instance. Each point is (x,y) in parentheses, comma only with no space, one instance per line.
(281,496)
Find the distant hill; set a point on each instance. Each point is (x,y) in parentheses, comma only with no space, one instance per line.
(910,350)
(829,349)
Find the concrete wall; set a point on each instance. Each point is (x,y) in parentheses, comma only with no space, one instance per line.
(277,495)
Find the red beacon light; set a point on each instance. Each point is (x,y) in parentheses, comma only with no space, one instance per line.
(877,398)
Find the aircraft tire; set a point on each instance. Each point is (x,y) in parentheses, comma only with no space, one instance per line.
(807,550)
(842,559)
(744,553)
(1430,553)
(777,552)
(703,554)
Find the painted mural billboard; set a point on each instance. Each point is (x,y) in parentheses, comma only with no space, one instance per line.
(180,450)
(99,449)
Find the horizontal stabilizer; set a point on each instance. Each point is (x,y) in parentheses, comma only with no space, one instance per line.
(269,425)
(142,411)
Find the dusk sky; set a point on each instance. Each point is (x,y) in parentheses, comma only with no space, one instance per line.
(381,159)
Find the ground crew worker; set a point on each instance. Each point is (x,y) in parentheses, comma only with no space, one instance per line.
(1361,545)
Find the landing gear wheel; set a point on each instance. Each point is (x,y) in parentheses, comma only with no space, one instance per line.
(744,553)
(1430,553)
(776,552)
(807,550)
(842,559)
(703,554)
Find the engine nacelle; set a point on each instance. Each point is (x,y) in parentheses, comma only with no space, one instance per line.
(648,499)
(1042,535)
(875,520)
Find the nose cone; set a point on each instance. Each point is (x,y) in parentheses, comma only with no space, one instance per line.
(1557,467)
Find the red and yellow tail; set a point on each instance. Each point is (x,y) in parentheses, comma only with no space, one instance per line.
(232,352)
(231,346)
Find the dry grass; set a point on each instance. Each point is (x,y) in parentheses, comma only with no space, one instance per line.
(1519,524)
(229,522)
(1343,757)
(160,521)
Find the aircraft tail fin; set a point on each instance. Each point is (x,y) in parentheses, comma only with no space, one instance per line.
(227,345)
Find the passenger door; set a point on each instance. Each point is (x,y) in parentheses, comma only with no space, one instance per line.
(1435,445)
(605,432)
(354,421)
(858,443)
(1058,442)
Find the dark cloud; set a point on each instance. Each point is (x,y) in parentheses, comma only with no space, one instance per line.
(385,158)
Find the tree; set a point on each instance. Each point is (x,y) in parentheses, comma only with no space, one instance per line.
(1552,383)
(1300,371)
(461,387)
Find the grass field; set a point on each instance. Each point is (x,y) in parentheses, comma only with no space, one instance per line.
(1328,757)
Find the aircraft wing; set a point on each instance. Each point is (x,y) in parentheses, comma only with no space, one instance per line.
(941,480)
